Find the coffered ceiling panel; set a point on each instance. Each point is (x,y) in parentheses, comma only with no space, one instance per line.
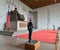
(39,3)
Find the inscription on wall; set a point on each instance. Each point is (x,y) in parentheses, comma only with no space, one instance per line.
(22,24)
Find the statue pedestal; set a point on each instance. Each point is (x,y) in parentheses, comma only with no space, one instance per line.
(32,45)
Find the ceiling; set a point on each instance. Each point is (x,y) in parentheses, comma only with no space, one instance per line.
(39,3)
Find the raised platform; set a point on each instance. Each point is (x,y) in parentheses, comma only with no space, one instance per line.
(32,45)
(6,33)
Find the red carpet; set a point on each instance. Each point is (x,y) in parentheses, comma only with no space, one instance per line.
(42,35)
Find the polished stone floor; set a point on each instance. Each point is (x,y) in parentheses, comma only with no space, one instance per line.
(13,43)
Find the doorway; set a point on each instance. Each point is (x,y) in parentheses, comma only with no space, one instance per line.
(33,16)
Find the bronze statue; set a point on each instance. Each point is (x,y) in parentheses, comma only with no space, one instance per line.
(16,16)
